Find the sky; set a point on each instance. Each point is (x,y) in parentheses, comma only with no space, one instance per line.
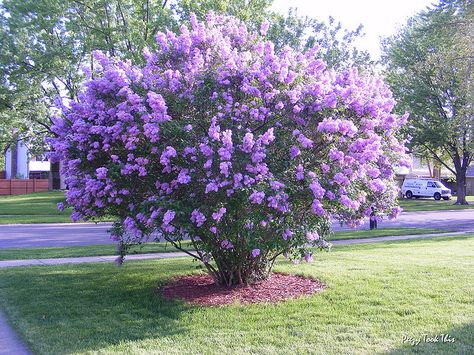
(380,18)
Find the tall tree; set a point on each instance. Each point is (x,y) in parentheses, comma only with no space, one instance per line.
(46,44)
(429,67)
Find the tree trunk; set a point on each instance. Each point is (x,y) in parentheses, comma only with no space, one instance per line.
(461,188)
(244,272)
(55,177)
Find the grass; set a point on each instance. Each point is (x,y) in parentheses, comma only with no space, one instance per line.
(34,219)
(38,207)
(110,249)
(383,232)
(430,204)
(377,295)
(38,203)
(87,250)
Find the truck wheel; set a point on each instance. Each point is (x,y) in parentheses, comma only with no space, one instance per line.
(409,194)
(437,196)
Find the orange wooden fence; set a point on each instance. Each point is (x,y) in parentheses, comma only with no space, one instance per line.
(18,187)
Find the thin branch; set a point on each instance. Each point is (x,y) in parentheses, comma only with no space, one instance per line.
(146,20)
(177,246)
(439,159)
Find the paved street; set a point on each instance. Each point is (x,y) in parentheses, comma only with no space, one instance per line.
(456,220)
(46,235)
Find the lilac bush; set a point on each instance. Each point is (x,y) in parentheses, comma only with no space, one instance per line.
(220,140)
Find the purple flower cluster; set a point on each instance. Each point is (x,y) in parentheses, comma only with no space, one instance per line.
(217,128)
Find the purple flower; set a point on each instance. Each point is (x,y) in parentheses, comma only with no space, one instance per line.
(377,185)
(312,236)
(255,253)
(168,153)
(267,137)
(183,177)
(287,234)
(168,216)
(305,142)
(60,206)
(198,218)
(294,152)
(264,27)
(395,212)
(214,130)
(218,215)
(248,142)
(224,168)
(317,189)
(257,197)
(226,244)
(212,186)
(101,173)
(299,172)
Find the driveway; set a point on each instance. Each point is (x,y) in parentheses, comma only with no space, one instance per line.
(48,235)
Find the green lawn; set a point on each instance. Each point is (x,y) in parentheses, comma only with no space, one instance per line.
(87,250)
(38,207)
(38,203)
(377,294)
(383,232)
(110,249)
(430,204)
(35,219)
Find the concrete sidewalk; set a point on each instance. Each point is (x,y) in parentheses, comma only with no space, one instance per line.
(10,343)
(111,258)
(88,259)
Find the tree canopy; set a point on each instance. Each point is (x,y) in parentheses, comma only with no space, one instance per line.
(429,67)
(46,44)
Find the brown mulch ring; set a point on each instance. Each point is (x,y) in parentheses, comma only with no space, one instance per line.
(201,290)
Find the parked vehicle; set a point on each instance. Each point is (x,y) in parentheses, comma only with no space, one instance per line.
(422,187)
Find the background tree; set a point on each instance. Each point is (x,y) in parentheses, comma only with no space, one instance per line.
(45,44)
(429,67)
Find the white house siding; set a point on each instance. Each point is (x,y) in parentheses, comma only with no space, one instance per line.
(23,171)
(8,164)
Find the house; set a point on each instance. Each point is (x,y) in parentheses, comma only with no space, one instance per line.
(20,164)
(470,180)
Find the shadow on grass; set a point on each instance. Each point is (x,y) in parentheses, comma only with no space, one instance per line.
(459,340)
(91,307)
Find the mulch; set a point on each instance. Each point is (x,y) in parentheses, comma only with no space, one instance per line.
(201,290)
